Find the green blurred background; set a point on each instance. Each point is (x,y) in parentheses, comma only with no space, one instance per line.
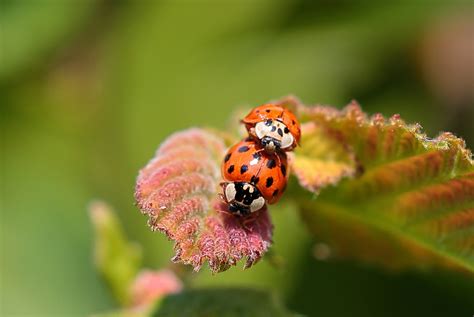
(88,90)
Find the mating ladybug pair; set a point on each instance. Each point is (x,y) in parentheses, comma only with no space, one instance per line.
(255,170)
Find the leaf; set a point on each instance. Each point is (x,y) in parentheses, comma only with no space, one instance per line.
(222,303)
(115,257)
(225,302)
(179,190)
(411,205)
(322,160)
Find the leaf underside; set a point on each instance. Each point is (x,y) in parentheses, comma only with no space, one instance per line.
(179,190)
(408,200)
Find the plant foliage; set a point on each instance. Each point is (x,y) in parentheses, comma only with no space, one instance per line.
(397,198)
(410,200)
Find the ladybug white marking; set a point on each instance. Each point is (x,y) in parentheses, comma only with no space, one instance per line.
(257,204)
(275,133)
(230,192)
(242,191)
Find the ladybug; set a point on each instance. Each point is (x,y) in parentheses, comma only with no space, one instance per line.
(252,177)
(274,126)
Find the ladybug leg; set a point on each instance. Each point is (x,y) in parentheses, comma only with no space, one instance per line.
(221,194)
(249,220)
(252,134)
(252,131)
(223,207)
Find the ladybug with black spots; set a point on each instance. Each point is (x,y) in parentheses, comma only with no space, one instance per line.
(252,177)
(274,127)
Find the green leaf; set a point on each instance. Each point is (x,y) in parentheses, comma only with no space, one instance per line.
(215,302)
(411,203)
(221,303)
(117,259)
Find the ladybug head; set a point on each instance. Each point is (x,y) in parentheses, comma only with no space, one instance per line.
(274,135)
(243,198)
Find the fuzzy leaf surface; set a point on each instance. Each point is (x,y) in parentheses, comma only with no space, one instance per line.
(179,191)
(411,201)
(322,160)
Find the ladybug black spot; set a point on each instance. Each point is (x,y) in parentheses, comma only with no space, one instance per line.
(287,130)
(227,157)
(275,192)
(268,122)
(280,132)
(230,169)
(274,128)
(268,110)
(243,169)
(283,169)
(271,163)
(254,180)
(243,149)
(269,182)
(293,121)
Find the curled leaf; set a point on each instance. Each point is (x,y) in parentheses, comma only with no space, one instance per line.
(411,202)
(178,190)
(322,159)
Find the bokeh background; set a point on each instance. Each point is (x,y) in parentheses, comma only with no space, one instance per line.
(88,90)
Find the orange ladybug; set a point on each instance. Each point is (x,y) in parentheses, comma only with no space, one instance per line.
(252,177)
(274,127)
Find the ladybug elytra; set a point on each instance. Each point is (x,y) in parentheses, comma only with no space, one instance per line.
(252,177)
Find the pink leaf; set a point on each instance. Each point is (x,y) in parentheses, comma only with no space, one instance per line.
(179,189)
